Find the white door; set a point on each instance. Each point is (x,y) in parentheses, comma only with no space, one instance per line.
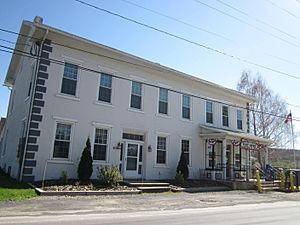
(133,160)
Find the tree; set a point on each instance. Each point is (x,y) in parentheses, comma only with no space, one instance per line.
(85,167)
(268,113)
(183,166)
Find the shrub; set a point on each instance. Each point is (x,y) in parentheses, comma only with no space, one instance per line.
(63,177)
(85,167)
(179,179)
(183,166)
(109,176)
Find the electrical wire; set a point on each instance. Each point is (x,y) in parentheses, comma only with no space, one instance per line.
(59,62)
(244,22)
(283,9)
(190,41)
(258,20)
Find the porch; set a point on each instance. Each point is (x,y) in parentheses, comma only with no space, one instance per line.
(228,153)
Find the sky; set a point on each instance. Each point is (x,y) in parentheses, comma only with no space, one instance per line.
(263,32)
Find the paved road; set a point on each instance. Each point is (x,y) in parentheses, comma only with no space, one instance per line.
(287,213)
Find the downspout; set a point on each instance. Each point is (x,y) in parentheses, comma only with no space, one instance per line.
(31,103)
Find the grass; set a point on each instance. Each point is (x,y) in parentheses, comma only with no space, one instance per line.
(13,190)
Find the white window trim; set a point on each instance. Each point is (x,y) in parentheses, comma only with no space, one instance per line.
(167,136)
(162,114)
(228,116)
(142,96)
(191,108)
(65,121)
(190,148)
(73,61)
(213,114)
(112,97)
(107,127)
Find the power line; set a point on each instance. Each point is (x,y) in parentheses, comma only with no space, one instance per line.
(59,62)
(283,9)
(258,20)
(244,22)
(189,41)
(177,20)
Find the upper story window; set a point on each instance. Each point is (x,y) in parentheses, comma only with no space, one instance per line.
(209,112)
(185,149)
(225,118)
(62,140)
(239,119)
(105,88)
(186,107)
(100,144)
(163,101)
(161,154)
(70,77)
(136,95)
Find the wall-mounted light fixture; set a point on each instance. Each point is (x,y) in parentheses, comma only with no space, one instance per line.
(149,148)
(118,146)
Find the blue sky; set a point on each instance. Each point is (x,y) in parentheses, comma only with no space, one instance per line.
(245,41)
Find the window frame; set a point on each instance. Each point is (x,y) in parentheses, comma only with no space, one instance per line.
(73,62)
(141,95)
(212,112)
(190,106)
(163,101)
(108,142)
(239,120)
(67,122)
(161,135)
(111,88)
(225,117)
(190,153)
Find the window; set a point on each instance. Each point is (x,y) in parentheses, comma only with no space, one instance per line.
(161,155)
(136,137)
(214,156)
(69,81)
(136,95)
(185,149)
(239,121)
(186,107)
(62,140)
(209,112)
(225,118)
(163,101)
(105,88)
(100,144)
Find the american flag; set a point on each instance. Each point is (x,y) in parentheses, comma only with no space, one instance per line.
(288,118)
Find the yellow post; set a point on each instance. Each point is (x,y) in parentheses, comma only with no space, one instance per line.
(259,189)
(292,182)
(282,178)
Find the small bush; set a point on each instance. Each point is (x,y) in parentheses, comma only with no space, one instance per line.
(183,166)
(179,179)
(109,176)
(63,177)
(85,167)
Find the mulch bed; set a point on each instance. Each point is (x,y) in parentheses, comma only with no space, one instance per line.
(75,185)
(197,183)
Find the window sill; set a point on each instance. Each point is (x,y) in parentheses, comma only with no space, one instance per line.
(164,166)
(62,161)
(99,162)
(165,116)
(186,120)
(70,97)
(27,98)
(136,110)
(104,104)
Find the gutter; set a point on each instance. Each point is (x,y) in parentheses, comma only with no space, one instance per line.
(21,169)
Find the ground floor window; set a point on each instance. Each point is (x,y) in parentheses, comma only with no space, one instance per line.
(214,155)
(237,158)
(185,149)
(62,140)
(161,154)
(100,144)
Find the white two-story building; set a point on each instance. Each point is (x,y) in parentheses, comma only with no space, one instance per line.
(139,115)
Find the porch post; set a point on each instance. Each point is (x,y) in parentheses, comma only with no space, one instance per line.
(247,164)
(224,142)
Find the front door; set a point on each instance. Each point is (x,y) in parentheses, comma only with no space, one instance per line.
(133,160)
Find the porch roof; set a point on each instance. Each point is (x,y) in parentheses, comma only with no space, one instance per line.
(213,132)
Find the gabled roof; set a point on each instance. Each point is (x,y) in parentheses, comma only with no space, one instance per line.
(34,26)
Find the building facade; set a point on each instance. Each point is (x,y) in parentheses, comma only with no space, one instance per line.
(138,115)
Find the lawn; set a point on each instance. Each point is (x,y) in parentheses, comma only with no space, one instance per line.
(10,189)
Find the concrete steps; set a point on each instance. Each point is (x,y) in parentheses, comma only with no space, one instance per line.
(270,185)
(149,186)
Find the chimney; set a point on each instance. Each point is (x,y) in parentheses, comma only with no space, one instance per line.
(38,19)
